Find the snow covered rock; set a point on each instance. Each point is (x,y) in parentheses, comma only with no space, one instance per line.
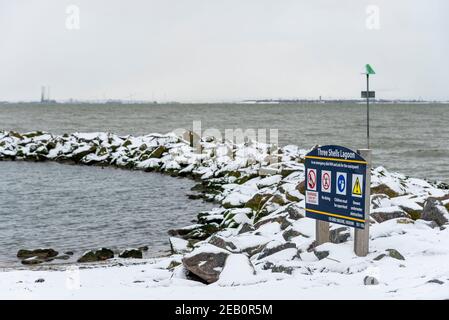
(178,245)
(435,211)
(206,262)
(370,281)
(388,213)
(238,270)
(339,235)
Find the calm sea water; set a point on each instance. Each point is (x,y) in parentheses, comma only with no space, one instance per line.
(412,139)
(76,207)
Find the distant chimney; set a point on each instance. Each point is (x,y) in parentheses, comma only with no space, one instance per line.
(42,94)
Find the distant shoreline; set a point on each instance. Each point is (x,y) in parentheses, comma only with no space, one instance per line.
(251,102)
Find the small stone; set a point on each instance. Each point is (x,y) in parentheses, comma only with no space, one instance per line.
(131,253)
(321,254)
(395,254)
(339,235)
(269,251)
(370,281)
(40,280)
(435,281)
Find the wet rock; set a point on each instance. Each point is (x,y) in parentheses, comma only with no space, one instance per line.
(143,248)
(131,253)
(34,261)
(70,253)
(269,251)
(40,280)
(39,253)
(370,281)
(339,235)
(383,188)
(63,257)
(97,255)
(435,211)
(206,265)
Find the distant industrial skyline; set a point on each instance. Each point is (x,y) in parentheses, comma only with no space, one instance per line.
(223,51)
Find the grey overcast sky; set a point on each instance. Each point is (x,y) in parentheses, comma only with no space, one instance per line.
(223,50)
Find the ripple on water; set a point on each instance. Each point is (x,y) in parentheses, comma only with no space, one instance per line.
(74,208)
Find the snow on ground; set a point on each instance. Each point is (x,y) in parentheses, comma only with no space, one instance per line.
(256,244)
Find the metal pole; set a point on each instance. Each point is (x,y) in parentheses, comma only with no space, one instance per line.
(367,108)
(361,236)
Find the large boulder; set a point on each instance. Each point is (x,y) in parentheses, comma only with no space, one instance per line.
(97,255)
(434,210)
(206,262)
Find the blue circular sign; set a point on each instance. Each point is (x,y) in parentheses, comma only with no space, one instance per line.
(341,183)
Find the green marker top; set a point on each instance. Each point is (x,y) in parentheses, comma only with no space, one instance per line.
(369,69)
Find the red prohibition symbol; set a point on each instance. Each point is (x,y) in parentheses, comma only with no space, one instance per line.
(326,180)
(311,179)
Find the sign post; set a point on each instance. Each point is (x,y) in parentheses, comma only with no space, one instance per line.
(337,190)
(361,236)
(368,94)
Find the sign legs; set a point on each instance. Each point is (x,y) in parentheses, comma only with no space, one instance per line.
(321,232)
(361,236)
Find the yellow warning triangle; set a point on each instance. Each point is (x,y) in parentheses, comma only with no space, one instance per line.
(357,189)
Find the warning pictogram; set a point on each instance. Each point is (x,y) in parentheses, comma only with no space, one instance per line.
(357,183)
(326,181)
(311,179)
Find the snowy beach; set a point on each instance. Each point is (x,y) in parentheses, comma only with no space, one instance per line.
(256,243)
